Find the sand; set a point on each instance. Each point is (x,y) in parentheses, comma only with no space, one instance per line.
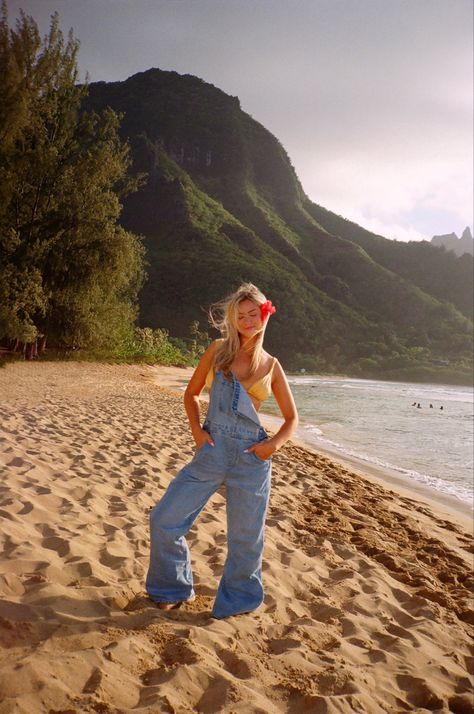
(367,608)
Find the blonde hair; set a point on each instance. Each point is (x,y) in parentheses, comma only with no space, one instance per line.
(223,316)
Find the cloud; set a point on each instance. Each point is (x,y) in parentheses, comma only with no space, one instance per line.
(391,196)
(372,99)
(395,231)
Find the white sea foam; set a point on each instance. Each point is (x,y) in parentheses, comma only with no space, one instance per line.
(376,422)
(457,490)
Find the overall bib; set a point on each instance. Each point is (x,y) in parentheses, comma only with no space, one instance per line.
(234,425)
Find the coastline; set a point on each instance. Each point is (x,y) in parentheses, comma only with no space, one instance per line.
(446,505)
(367,606)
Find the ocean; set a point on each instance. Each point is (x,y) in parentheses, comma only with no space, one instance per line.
(379,423)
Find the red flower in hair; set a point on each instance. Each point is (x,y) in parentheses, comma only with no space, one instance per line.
(267,309)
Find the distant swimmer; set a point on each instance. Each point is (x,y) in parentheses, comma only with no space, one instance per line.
(414,404)
(441,407)
(431,406)
(418,406)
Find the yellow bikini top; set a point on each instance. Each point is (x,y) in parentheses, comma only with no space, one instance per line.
(261,389)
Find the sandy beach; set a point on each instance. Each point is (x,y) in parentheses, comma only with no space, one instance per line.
(368,603)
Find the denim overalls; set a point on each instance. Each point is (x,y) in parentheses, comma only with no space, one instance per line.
(234,425)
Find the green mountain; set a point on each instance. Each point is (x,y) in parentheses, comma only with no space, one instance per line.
(222,204)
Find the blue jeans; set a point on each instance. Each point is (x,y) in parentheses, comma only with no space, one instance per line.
(234,425)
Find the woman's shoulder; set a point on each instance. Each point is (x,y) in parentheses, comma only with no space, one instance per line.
(215,344)
(210,353)
(270,363)
(269,359)
(212,346)
(207,358)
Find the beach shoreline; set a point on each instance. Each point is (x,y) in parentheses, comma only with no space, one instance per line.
(447,506)
(368,605)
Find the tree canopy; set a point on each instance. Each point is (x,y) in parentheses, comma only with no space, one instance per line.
(68,270)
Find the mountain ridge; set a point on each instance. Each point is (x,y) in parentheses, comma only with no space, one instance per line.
(458,246)
(222,204)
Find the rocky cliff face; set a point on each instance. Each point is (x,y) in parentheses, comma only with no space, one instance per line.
(459,246)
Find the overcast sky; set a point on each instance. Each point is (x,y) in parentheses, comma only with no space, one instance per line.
(372,99)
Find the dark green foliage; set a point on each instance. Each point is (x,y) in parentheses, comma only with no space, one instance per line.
(436,271)
(147,345)
(223,204)
(67,269)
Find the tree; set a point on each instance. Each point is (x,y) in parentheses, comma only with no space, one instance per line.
(199,340)
(67,269)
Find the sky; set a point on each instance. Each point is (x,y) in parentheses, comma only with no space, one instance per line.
(372,99)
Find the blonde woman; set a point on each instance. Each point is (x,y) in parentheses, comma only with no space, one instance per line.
(233,449)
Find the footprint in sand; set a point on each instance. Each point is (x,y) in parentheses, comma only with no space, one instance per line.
(280,646)
(111,561)
(326,613)
(348,627)
(140,469)
(285,559)
(460,704)
(385,640)
(179,651)
(418,693)
(404,619)
(234,664)
(18,462)
(358,642)
(335,683)
(341,574)
(9,516)
(209,518)
(81,569)
(376,656)
(57,544)
(138,484)
(403,633)
(94,681)
(27,508)
(116,505)
(218,692)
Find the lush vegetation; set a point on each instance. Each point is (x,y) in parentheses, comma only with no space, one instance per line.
(436,271)
(223,204)
(69,272)
(144,345)
(216,202)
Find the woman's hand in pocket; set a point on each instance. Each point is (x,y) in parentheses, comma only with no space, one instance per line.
(262,449)
(202,437)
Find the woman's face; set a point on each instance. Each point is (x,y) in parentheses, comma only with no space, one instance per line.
(249,322)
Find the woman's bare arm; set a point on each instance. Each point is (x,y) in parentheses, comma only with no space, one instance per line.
(282,393)
(191,395)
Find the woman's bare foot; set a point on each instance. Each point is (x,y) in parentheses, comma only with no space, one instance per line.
(173,605)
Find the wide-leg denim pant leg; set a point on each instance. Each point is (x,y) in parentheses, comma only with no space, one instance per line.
(247,494)
(170,577)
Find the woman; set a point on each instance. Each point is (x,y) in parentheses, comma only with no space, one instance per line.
(232,449)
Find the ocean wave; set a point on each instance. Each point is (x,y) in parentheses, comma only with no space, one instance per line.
(452,489)
(311,428)
(411,390)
